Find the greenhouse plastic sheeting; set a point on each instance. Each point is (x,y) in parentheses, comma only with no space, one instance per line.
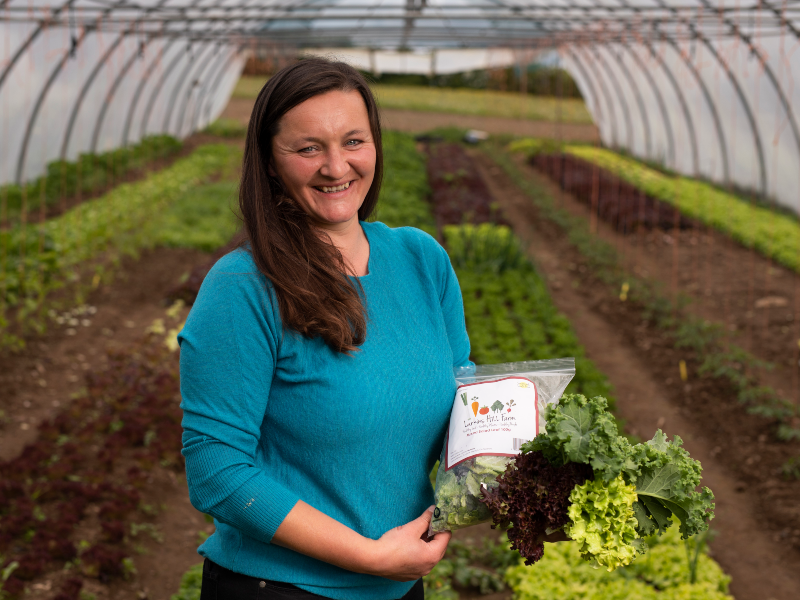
(704,88)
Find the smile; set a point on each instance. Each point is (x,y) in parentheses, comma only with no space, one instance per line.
(330,190)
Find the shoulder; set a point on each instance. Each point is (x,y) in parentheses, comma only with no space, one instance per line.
(411,239)
(235,276)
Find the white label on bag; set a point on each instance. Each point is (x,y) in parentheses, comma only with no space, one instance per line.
(492,418)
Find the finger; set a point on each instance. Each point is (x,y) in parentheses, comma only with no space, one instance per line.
(438,543)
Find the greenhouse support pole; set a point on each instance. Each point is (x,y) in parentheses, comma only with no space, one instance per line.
(626,111)
(27,43)
(195,87)
(214,85)
(648,141)
(98,125)
(154,94)
(611,116)
(82,94)
(190,67)
(661,106)
(140,88)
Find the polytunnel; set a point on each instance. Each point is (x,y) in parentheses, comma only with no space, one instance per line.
(704,88)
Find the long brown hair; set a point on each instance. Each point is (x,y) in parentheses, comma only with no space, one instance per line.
(315,295)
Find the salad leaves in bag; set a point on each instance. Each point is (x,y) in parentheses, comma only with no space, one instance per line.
(458,490)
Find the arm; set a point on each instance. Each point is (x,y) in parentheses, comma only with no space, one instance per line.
(401,554)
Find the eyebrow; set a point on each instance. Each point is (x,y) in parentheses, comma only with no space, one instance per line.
(348,134)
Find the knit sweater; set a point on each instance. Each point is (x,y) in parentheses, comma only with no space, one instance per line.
(272,417)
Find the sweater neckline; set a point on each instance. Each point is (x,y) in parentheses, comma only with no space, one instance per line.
(370,262)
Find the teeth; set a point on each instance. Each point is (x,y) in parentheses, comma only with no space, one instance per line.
(338,188)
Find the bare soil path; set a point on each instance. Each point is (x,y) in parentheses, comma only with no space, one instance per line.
(762,566)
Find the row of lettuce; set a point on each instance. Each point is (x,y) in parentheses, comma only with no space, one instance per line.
(772,233)
(511,317)
(77,250)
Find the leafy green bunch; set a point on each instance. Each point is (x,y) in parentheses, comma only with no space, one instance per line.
(635,491)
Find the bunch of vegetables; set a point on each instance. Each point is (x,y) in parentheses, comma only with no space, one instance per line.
(583,478)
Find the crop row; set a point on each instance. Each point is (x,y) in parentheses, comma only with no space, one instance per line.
(771,233)
(90,173)
(91,460)
(36,260)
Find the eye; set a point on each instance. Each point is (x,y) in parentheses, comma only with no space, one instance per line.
(353,143)
(307,150)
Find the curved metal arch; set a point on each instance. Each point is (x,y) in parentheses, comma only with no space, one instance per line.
(762,163)
(609,104)
(140,88)
(215,83)
(723,144)
(82,94)
(154,95)
(183,112)
(27,43)
(49,83)
(190,67)
(659,100)
(626,111)
(90,80)
(787,106)
(23,152)
(643,112)
(595,97)
(687,114)
(98,125)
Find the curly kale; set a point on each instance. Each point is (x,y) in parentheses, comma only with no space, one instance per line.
(532,496)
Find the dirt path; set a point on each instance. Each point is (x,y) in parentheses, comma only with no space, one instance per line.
(417,122)
(760,567)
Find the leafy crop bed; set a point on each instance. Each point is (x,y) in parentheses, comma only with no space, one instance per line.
(36,260)
(613,199)
(773,234)
(67,181)
(91,461)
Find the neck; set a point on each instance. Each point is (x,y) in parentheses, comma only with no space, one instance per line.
(350,240)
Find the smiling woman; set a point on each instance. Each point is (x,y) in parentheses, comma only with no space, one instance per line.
(301,357)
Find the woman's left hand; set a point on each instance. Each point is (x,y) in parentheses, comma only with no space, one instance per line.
(405,553)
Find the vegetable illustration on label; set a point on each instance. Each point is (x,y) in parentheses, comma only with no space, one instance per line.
(497,406)
(484,410)
(464,398)
(475,406)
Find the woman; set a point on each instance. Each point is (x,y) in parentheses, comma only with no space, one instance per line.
(316,363)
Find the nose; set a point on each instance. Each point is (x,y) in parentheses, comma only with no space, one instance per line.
(335,165)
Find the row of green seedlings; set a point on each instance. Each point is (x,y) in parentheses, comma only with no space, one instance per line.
(66,182)
(93,458)
(714,354)
(83,247)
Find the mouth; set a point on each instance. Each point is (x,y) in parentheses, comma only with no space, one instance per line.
(331,190)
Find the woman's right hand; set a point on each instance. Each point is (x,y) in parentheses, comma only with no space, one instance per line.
(405,553)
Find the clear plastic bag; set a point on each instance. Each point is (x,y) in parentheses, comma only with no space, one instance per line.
(496,409)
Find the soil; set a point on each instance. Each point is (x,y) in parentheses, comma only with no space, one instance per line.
(754,299)
(39,382)
(758,521)
(418,122)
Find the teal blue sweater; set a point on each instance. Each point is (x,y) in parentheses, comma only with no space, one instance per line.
(272,417)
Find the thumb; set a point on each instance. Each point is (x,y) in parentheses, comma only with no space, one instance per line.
(422,523)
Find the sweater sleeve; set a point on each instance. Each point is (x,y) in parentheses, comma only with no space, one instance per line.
(229,347)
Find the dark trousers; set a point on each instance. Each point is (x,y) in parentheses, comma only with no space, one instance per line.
(221,584)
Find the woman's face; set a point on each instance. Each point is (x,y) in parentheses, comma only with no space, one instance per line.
(324,155)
